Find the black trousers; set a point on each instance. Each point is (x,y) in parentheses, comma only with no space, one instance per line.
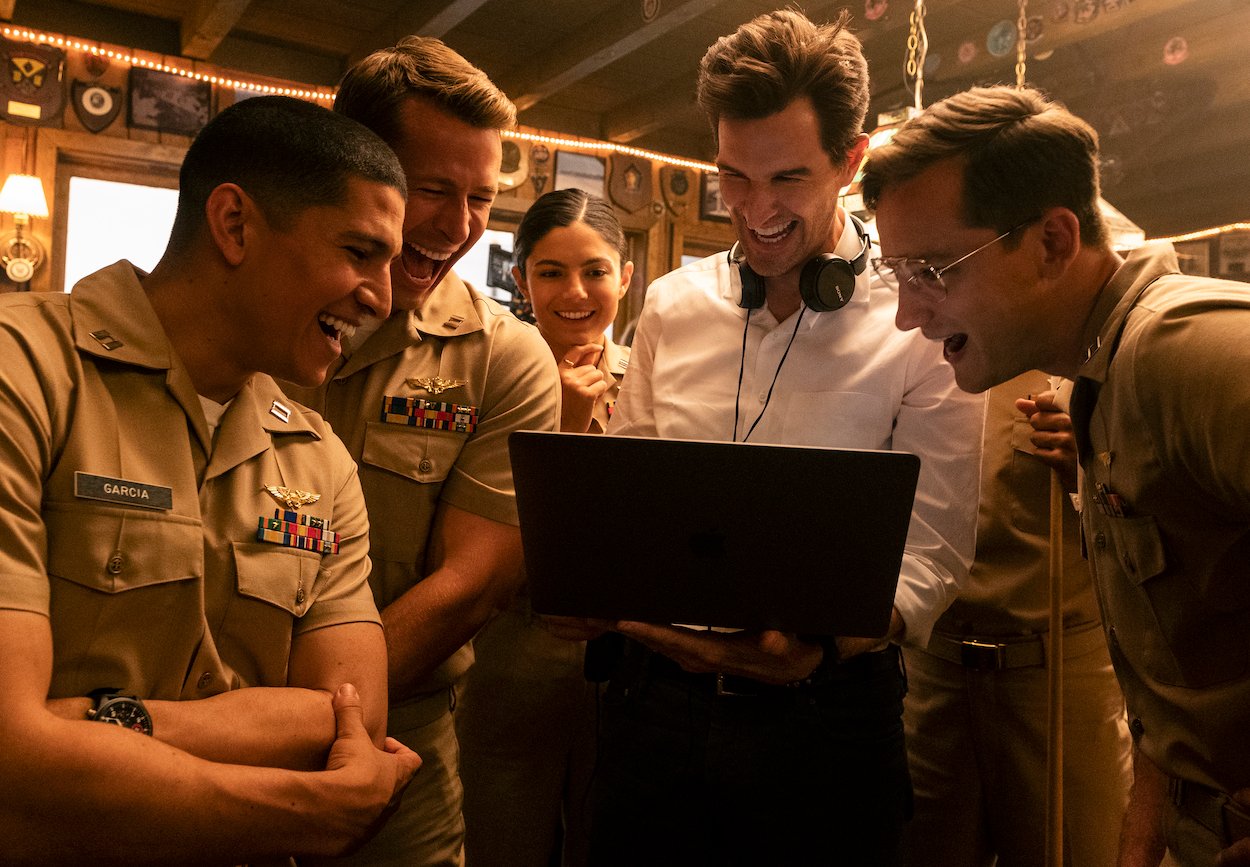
(790,776)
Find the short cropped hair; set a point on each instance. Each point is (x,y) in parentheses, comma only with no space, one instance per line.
(373,90)
(1021,151)
(779,57)
(563,208)
(287,154)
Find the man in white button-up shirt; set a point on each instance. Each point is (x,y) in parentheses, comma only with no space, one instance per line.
(805,762)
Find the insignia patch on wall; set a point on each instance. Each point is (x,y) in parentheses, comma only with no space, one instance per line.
(32,87)
(95,105)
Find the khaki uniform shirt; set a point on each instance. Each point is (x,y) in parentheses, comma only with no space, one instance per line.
(1160,411)
(133,531)
(613,362)
(1007,592)
(472,372)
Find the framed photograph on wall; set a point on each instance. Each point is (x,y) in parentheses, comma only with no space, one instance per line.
(1194,257)
(711,205)
(166,102)
(579,171)
(1234,255)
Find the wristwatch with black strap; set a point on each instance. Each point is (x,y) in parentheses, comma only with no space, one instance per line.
(112,706)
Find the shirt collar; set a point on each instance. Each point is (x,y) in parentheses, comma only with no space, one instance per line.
(614,360)
(114,319)
(449,310)
(273,410)
(847,247)
(1111,309)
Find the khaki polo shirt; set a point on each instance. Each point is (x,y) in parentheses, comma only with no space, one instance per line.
(134,532)
(425,406)
(1160,411)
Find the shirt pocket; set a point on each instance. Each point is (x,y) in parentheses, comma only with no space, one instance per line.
(1177,634)
(285,578)
(275,586)
(125,592)
(115,550)
(402,472)
(419,454)
(841,419)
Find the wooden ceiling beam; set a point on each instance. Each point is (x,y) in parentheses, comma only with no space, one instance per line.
(453,13)
(427,19)
(609,37)
(673,104)
(208,22)
(670,105)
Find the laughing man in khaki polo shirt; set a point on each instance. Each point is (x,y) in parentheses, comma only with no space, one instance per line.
(425,404)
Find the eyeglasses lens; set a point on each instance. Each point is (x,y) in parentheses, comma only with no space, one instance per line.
(917,276)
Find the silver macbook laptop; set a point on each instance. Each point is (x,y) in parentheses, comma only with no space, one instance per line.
(745,535)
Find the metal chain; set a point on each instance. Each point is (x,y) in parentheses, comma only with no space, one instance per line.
(1022,29)
(917,50)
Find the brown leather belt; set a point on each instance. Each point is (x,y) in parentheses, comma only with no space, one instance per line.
(998,654)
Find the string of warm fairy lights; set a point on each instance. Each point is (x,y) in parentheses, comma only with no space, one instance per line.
(11,32)
(609,147)
(328,96)
(1206,233)
(122,56)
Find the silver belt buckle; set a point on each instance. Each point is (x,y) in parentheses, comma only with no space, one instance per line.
(982,655)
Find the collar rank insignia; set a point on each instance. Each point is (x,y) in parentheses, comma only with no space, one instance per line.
(290,497)
(433,384)
(108,341)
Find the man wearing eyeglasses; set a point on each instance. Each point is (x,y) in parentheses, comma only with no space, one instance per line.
(767,747)
(1158,411)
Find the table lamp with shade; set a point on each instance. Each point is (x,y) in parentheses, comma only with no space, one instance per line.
(21,254)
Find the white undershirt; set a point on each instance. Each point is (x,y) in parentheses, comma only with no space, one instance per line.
(365,330)
(213,412)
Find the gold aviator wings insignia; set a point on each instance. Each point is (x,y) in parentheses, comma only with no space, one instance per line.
(290,497)
(433,384)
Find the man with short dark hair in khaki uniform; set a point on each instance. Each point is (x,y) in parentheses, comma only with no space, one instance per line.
(183,555)
(425,405)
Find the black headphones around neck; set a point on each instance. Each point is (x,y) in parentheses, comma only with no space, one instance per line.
(826,283)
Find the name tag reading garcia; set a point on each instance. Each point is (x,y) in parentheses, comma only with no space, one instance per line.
(123,491)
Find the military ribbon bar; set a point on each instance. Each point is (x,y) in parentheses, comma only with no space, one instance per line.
(297,531)
(431,414)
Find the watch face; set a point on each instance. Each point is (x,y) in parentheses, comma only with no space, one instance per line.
(127,713)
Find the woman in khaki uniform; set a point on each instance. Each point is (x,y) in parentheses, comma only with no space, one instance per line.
(526,717)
